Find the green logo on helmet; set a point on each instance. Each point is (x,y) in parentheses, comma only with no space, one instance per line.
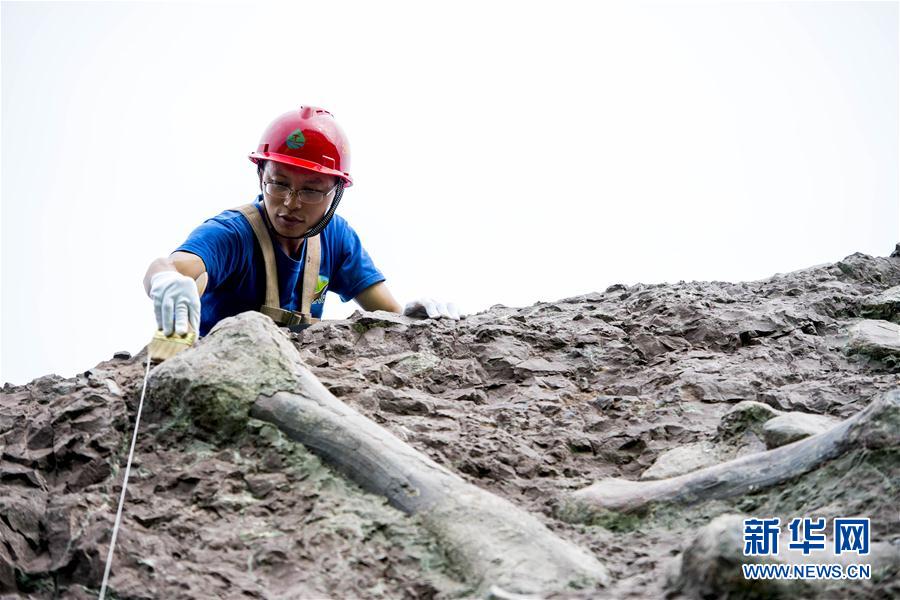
(295,140)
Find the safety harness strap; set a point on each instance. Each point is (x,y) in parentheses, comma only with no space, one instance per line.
(310,274)
(272,305)
(265,243)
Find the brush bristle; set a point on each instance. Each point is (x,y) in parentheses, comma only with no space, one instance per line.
(162,347)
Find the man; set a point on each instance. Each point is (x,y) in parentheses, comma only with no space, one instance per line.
(256,257)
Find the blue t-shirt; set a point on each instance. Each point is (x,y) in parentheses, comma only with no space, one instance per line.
(237,273)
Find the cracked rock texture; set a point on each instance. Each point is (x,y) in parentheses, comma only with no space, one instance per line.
(530,403)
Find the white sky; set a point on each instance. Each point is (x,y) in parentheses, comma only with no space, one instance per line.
(503,152)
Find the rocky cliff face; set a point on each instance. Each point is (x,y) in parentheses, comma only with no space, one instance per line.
(532,405)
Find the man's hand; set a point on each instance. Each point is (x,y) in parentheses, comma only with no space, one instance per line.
(175,302)
(428,307)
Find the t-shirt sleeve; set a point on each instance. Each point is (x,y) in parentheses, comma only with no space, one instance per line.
(354,270)
(221,243)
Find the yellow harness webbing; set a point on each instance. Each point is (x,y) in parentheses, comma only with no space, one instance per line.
(272,305)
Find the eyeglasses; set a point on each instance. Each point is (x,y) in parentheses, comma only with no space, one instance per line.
(283,192)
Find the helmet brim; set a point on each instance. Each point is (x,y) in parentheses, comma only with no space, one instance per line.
(309,165)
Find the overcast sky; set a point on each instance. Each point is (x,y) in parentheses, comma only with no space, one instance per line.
(503,152)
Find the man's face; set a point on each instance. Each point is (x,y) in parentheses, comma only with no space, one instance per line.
(290,217)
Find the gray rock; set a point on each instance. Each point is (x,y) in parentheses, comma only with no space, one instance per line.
(681,460)
(885,305)
(541,366)
(748,415)
(113,387)
(606,402)
(379,318)
(713,387)
(711,565)
(497,593)
(416,363)
(878,340)
(791,427)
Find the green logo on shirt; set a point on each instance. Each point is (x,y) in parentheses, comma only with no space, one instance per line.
(321,287)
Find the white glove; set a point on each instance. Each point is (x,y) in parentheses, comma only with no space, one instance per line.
(428,307)
(175,302)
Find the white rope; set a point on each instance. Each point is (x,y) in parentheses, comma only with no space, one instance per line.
(115,531)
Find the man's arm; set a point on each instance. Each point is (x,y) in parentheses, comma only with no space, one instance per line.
(378,297)
(185,263)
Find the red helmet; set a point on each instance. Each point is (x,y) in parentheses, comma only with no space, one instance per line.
(309,138)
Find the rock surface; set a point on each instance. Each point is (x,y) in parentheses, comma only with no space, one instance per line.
(528,403)
(884,305)
(790,427)
(746,418)
(878,340)
(684,459)
(711,565)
